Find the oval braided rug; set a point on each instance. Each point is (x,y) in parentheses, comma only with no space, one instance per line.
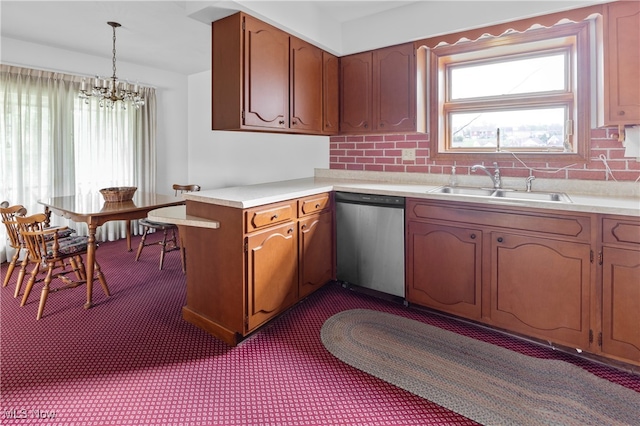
(483,382)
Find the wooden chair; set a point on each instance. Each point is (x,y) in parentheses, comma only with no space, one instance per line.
(171,243)
(49,248)
(8,214)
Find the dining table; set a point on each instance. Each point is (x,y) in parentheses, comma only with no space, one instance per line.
(92,209)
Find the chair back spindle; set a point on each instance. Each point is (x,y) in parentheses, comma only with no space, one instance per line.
(9,214)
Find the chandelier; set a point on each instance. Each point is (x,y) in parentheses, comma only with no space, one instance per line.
(109,91)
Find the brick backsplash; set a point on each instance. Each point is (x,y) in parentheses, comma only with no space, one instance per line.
(383,153)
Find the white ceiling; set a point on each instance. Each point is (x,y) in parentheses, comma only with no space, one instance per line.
(176,35)
(160,34)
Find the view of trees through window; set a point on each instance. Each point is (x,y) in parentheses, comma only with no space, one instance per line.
(497,94)
(527,128)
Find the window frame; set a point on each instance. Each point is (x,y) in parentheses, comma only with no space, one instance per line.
(509,44)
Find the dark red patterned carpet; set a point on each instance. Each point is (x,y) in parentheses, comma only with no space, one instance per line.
(132,360)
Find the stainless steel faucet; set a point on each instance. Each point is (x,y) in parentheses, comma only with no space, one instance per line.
(495,177)
(528,182)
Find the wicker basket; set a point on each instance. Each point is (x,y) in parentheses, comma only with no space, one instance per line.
(118,193)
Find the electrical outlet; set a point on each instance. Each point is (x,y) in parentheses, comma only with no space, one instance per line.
(409,154)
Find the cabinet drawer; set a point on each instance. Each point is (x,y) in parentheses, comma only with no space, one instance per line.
(621,231)
(313,204)
(264,216)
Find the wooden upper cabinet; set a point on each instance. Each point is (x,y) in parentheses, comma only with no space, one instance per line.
(394,89)
(331,93)
(264,79)
(378,91)
(306,86)
(355,93)
(621,79)
(266,75)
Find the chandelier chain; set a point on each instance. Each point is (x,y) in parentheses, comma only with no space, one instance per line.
(114,52)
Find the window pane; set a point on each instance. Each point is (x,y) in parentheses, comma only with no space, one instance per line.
(528,75)
(537,129)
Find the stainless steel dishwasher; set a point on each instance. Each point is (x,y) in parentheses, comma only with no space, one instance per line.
(370,241)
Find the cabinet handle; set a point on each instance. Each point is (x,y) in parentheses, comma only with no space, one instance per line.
(303,227)
(294,122)
(473,236)
(290,231)
(620,112)
(317,206)
(275,216)
(500,239)
(366,125)
(381,124)
(281,122)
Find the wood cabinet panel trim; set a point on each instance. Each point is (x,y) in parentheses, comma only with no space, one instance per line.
(621,231)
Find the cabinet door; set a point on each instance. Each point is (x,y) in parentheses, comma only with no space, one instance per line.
(622,63)
(394,88)
(355,93)
(316,252)
(226,73)
(621,303)
(272,273)
(331,90)
(266,75)
(444,268)
(540,287)
(306,86)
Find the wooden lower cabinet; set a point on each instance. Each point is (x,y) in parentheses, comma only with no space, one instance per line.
(315,252)
(272,273)
(540,287)
(621,303)
(260,262)
(528,271)
(620,256)
(444,268)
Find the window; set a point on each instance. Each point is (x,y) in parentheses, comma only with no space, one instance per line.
(518,93)
(53,144)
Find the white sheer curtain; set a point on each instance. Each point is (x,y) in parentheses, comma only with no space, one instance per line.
(54,144)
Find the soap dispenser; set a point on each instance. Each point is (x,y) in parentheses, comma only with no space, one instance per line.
(453,178)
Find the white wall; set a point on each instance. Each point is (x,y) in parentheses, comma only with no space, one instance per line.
(219,159)
(171,93)
(187,150)
(424,19)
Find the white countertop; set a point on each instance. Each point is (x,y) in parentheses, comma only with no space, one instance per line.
(613,197)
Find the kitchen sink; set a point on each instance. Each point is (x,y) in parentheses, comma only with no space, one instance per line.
(559,197)
(537,196)
(463,190)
